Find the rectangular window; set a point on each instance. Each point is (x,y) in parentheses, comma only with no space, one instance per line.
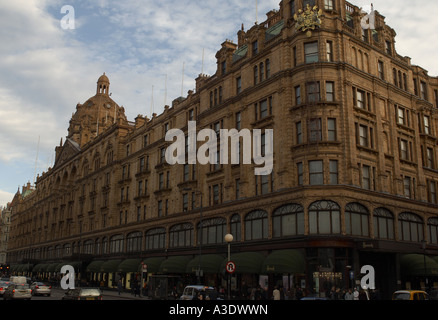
(333,172)
(160,208)
(360,99)
(423,90)
(237,189)
(300,173)
(388,47)
(329,49)
(299,133)
(328,5)
(407,187)
(315,130)
(238,85)
(316,173)
(427,125)
(185,202)
(311,52)
(366,177)
(216,194)
(331,127)
(381,70)
(313,93)
(363,136)
(404,155)
(401,116)
(430,162)
(330,91)
(298,95)
(255,48)
(432,192)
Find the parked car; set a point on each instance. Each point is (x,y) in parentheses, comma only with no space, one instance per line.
(40,288)
(410,295)
(18,280)
(83,294)
(3,286)
(18,291)
(191,293)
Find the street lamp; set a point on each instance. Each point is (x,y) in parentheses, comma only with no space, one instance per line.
(228,239)
(423,246)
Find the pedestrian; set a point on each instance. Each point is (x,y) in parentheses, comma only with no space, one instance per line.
(276,293)
(349,295)
(119,286)
(355,294)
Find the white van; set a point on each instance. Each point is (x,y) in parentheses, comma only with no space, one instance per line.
(18,280)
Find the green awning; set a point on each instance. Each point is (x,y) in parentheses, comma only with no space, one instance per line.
(414,265)
(175,264)
(43,267)
(129,265)
(110,266)
(210,264)
(153,264)
(26,267)
(39,267)
(246,262)
(52,267)
(95,266)
(76,265)
(284,261)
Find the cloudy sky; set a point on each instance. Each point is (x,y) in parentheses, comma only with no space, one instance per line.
(46,70)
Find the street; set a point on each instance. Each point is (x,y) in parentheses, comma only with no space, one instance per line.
(57,294)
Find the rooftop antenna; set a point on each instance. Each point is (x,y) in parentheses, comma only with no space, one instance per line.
(36,160)
(182,84)
(152,101)
(203,51)
(257,12)
(165,90)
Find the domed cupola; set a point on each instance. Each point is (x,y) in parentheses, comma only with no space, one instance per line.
(103,85)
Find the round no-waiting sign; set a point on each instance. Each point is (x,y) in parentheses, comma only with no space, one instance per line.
(231,267)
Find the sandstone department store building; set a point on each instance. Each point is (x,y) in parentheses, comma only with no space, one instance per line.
(354,180)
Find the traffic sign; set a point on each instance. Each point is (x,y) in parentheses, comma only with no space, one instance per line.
(230,267)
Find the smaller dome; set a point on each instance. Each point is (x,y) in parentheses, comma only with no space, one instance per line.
(103,78)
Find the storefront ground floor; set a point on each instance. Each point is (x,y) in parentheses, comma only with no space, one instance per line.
(323,267)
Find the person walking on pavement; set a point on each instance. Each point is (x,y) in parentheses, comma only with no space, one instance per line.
(356,294)
(276,294)
(119,286)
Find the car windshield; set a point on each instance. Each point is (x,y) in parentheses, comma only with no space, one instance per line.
(90,292)
(402,296)
(40,284)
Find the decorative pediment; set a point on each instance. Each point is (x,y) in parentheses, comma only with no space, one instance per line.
(66,152)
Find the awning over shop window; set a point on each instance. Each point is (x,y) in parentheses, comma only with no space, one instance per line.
(129,265)
(284,261)
(246,262)
(414,265)
(110,266)
(176,264)
(52,267)
(95,266)
(210,264)
(38,267)
(153,264)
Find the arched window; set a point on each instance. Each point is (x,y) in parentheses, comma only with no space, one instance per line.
(383,222)
(432,225)
(324,218)
(288,220)
(116,244)
(88,246)
(97,247)
(181,235)
(256,225)
(156,239)
(67,250)
(105,245)
(410,227)
(133,241)
(235,225)
(213,231)
(357,220)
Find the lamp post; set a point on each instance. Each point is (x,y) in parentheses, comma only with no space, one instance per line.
(228,239)
(423,246)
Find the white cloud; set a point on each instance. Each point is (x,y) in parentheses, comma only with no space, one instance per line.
(5,197)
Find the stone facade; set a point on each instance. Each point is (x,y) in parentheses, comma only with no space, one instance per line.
(355,133)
